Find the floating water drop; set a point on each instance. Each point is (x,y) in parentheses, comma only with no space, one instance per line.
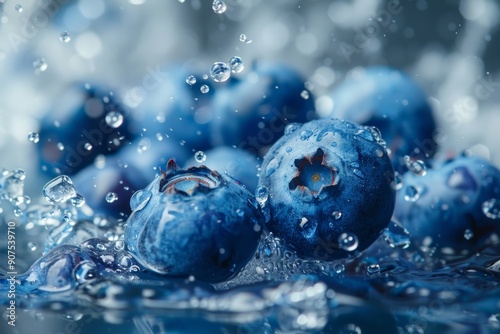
(33,137)
(292,127)
(219,6)
(304,94)
(32,246)
(60,146)
(397,236)
(40,65)
(236,64)
(411,194)
(204,89)
(417,167)
(336,215)
(18,8)
(220,72)
(59,189)
(139,199)
(491,208)
(200,156)
(348,241)
(78,200)
(307,227)
(243,38)
(373,269)
(87,146)
(339,268)
(111,197)
(114,119)
(191,80)
(65,37)
(468,234)
(262,195)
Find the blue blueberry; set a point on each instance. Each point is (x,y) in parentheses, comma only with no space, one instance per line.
(329,185)
(82,124)
(171,107)
(445,210)
(251,113)
(241,165)
(193,222)
(391,101)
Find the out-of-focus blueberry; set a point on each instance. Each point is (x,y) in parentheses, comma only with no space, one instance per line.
(329,184)
(194,222)
(452,210)
(239,164)
(84,122)
(252,112)
(390,100)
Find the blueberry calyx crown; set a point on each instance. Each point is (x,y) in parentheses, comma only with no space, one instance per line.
(176,180)
(313,175)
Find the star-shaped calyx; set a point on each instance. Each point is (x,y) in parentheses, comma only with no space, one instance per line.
(313,175)
(188,182)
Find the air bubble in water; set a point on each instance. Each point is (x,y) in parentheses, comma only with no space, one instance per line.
(40,65)
(417,167)
(411,194)
(262,195)
(219,6)
(243,38)
(348,241)
(204,89)
(111,197)
(336,215)
(491,208)
(339,268)
(236,64)
(220,72)
(65,37)
(200,156)
(114,119)
(139,199)
(307,227)
(33,137)
(191,80)
(59,189)
(304,94)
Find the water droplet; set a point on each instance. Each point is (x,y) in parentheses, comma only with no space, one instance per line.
(468,234)
(307,227)
(336,215)
(262,195)
(32,246)
(243,38)
(358,173)
(191,80)
(220,72)
(304,94)
(292,127)
(139,199)
(114,119)
(305,134)
(379,153)
(78,200)
(111,197)
(397,183)
(236,64)
(87,146)
(18,8)
(59,189)
(397,236)
(348,241)
(204,89)
(334,144)
(200,156)
(60,146)
(411,194)
(65,37)
(85,272)
(219,6)
(491,208)
(33,137)
(417,167)
(288,149)
(339,268)
(373,269)
(350,329)
(40,65)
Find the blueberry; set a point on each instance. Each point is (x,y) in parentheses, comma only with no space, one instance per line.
(239,164)
(82,124)
(391,101)
(329,188)
(252,112)
(446,211)
(193,222)
(177,109)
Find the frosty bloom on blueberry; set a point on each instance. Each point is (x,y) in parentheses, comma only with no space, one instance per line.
(194,222)
(329,184)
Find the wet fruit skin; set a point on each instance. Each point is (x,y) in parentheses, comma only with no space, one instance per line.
(194,222)
(390,100)
(322,168)
(448,215)
(252,112)
(76,119)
